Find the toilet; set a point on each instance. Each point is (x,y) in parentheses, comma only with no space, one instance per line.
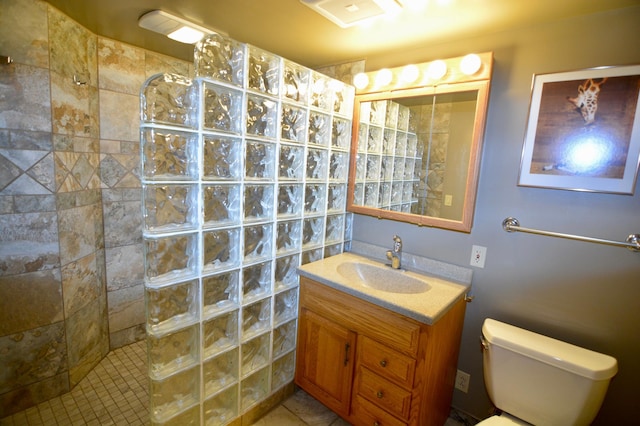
(536,380)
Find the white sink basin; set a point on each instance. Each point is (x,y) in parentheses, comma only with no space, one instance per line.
(382,278)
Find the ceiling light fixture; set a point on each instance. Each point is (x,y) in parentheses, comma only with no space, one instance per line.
(174,27)
(347,13)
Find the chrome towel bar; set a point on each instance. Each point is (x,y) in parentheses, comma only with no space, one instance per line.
(511,224)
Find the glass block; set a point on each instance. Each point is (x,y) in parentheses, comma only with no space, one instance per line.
(385,193)
(341,133)
(365,112)
(220,333)
(222,158)
(377,112)
(361,166)
(222,408)
(221,108)
(339,166)
(358,194)
(169,207)
(373,167)
(220,58)
(264,71)
(374,139)
(260,160)
(170,258)
(389,141)
(398,168)
(254,388)
(220,372)
(403,117)
(363,136)
(291,164)
(256,281)
(288,236)
(412,145)
(221,249)
(295,80)
(262,116)
(293,123)
(172,306)
(289,200)
(417,169)
(335,229)
(386,168)
(256,318)
(408,168)
(401,144)
(343,96)
(169,155)
(174,394)
(173,351)
(319,132)
(348,226)
(396,192)
(391,116)
(255,354)
(309,256)
(285,306)
(336,197)
(258,202)
(169,99)
(317,164)
(283,371)
(312,231)
(286,274)
(284,338)
(190,417)
(320,96)
(407,191)
(315,198)
(221,205)
(371,195)
(220,292)
(332,250)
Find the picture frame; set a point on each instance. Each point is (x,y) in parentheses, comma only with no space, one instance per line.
(583,131)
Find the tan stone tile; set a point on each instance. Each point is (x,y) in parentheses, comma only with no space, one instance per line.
(120,66)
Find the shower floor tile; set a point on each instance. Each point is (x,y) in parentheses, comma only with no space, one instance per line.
(116,393)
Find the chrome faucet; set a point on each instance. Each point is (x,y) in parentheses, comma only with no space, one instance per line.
(395,255)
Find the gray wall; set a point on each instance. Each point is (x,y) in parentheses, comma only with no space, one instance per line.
(586,294)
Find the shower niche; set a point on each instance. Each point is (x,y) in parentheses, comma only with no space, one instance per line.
(244,175)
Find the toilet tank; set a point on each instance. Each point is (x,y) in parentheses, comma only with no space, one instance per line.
(541,380)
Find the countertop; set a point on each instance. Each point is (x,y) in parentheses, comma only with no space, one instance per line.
(425,307)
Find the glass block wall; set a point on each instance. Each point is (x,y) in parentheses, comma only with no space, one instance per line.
(389,157)
(244,172)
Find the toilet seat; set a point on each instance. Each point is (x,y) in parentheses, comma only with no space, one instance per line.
(502,420)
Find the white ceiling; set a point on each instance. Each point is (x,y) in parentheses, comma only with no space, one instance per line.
(292,30)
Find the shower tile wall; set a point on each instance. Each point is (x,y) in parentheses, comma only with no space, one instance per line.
(244,178)
(70,229)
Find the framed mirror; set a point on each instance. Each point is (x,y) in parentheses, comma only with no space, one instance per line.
(417,142)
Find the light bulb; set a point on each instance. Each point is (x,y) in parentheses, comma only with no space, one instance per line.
(360,80)
(410,73)
(470,64)
(384,77)
(437,69)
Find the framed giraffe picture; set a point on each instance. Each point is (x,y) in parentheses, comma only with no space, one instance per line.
(583,132)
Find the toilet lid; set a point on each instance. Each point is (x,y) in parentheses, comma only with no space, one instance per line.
(500,421)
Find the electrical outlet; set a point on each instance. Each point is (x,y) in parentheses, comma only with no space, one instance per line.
(478,256)
(448,200)
(462,381)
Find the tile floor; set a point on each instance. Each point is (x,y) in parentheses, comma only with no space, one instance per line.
(115,393)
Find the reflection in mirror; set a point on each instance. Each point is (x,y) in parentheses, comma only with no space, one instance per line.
(416,146)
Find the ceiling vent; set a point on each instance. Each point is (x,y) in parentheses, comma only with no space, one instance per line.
(347,13)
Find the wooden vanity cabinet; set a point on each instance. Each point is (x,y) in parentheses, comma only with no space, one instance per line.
(372,366)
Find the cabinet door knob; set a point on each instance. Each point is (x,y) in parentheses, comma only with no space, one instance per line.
(380,394)
(376,423)
(383,363)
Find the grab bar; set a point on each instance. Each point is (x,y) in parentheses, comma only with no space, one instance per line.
(632,243)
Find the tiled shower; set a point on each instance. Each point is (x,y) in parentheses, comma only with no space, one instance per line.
(244,174)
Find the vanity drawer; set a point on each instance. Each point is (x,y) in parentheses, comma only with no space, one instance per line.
(383,393)
(368,414)
(386,362)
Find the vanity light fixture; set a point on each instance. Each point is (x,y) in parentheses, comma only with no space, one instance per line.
(174,27)
(437,69)
(384,77)
(361,80)
(409,73)
(470,64)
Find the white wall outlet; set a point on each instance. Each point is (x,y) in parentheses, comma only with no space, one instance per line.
(448,200)
(462,381)
(478,256)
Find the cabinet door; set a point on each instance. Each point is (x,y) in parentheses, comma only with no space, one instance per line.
(325,357)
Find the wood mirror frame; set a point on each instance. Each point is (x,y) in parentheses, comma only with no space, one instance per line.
(455,88)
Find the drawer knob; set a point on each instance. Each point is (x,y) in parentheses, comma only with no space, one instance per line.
(380,394)
(383,363)
(376,423)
